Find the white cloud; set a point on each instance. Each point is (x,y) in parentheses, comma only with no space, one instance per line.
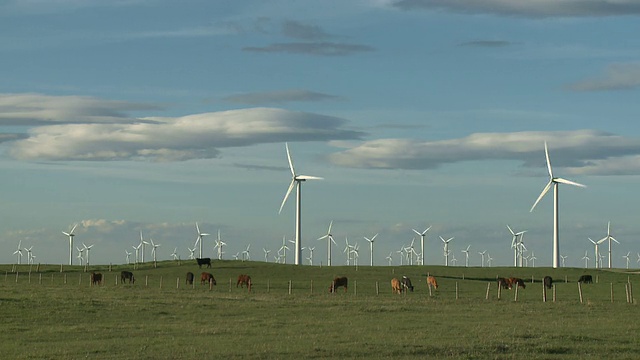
(196,136)
(580,151)
(529,8)
(621,76)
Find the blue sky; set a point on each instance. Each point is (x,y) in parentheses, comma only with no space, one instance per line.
(151,115)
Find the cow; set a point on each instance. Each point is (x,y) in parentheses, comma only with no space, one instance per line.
(96,278)
(548,282)
(127,275)
(587,279)
(203,261)
(337,282)
(516,282)
(431,281)
(189,278)
(206,277)
(504,283)
(396,287)
(406,284)
(244,280)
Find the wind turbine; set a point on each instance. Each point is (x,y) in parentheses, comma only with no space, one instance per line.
(296,181)
(514,243)
(310,258)
(446,250)
(609,238)
(142,244)
(70,234)
(219,245)
(87,248)
(29,258)
(482,254)
(80,251)
(371,248)
(330,240)
(533,259)
(284,249)
(391,259)
(347,250)
(153,249)
(627,258)
(245,253)
(563,257)
(422,236)
(597,243)
(174,254)
(489,259)
(127,255)
(554,181)
(137,249)
(466,254)
(454,261)
(199,238)
(266,254)
(18,252)
(191,252)
(586,259)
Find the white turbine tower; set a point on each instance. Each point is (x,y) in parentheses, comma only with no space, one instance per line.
(371,248)
(29,256)
(284,249)
(489,259)
(127,254)
(310,258)
(597,244)
(482,254)
(554,181)
(533,259)
(626,257)
(446,250)
(18,252)
(142,244)
(154,246)
(199,238)
(70,234)
(422,236)
(466,254)
(515,245)
(219,245)
(80,251)
(609,238)
(87,248)
(330,240)
(296,181)
(266,254)
(137,249)
(391,259)
(586,259)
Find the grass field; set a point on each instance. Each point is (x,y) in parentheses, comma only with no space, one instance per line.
(159,317)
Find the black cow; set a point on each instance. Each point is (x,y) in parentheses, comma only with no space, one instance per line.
(587,279)
(189,278)
(127,275)
(96,278)
(406,284)
(548,282)
(203,261)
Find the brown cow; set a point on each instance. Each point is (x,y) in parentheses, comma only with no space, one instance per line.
(517,282)
(396,287)
(96,278)
(244,280)
(431,281)
(337,282)
(189,278)
(504,283)
(206,277)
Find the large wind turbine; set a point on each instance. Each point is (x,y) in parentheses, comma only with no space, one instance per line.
(330,240)
(70,234)
(609,238)
(296,181)
(422,235)
(554,181)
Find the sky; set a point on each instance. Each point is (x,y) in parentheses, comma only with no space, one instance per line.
(132,116)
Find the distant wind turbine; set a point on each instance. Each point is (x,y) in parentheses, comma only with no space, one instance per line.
(391,259)
(489,259)
(626,257)
(466,254)
(482,254)
(586,260)
(199,238)
(554,181)
(70,234)
(127,253)
(330,240)
(296,181)
(18,252)
(174,254)
(609,238)
(515,245)
(446,250)
(422,236)
(371,248)
(142,244)
(266,254)
(154,246)
(563,257)
(596,243)
(87,248)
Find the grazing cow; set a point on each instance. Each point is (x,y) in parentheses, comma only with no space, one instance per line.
(203,261)
(206,277)
(337,282)
(406,283)
(189,278)
(587,279)
(516,282)
(431,281)
(96,278)
(548,282)
(127,275)
(504,283)
(396,287)
(244,280)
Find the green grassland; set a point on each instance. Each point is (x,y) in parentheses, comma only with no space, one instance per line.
(159,317)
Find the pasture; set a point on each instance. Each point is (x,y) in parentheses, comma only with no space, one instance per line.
(159,317)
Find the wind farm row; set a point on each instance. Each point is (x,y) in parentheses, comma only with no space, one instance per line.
(408,254)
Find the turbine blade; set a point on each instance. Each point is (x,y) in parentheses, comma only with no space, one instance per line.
(510,230)
(308,177)
(569,182)
(416,231)
(293,172)
(330,225)
(546,153)
(286,196)
(542,194)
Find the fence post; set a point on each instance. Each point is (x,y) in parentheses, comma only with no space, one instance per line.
(230,282)
(160,281)
(146,280)
(355,287)
(289,287)
(499,291)
(554,292)
(430,291)
(516,294)
(626,289)
(580,291)
(456,290)
(16,277)
(544,293)
(312,286)
(612,293)
(377,288)
(268,286)
(177,283)
(80,279)
(486,297)
(40,279)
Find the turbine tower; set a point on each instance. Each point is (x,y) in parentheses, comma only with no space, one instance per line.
(371,247)
(597,243)
(70,234)
(330,240)
(609,238)
(422,235)
(199,238)
(554,181)
(296,181)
